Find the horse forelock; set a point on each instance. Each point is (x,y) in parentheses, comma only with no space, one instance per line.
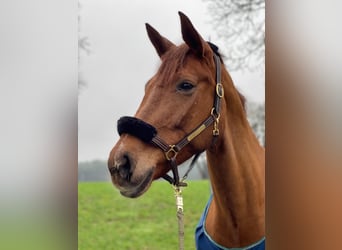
(172,61)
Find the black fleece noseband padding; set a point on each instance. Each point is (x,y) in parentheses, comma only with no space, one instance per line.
(137,128)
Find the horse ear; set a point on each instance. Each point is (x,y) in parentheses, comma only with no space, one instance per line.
(160,43)
(191,37)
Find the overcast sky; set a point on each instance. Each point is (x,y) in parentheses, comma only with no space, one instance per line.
(122,59)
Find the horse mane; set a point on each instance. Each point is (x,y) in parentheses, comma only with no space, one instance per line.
(241,96)
(242,100)
(174,59)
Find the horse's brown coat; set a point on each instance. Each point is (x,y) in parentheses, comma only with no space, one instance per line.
(236,163)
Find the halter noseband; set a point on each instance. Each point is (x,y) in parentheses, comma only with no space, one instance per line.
(148,133)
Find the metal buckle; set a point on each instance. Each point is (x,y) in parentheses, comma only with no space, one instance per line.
(179,198)
(216,130)
(171,153)
(219,90)
(214,114)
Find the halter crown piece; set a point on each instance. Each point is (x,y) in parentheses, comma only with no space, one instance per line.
(149,134)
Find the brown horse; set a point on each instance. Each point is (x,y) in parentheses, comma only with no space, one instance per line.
(178,98)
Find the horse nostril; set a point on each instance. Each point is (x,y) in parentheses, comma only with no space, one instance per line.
(123,167)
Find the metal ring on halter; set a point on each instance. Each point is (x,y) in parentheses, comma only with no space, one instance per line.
(171,153)
(216,130)
(219,90)
(215,114)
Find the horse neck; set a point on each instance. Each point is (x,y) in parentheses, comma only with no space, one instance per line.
(236,169)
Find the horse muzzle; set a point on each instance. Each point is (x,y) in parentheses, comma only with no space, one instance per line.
(131,180)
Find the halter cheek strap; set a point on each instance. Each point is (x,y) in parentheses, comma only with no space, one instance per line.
(149,134)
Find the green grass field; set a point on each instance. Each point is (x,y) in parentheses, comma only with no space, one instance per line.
(107,220)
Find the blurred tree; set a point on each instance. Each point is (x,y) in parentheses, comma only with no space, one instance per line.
(202,167)
(256,118)
(93,171)
(241,24)
(83,46)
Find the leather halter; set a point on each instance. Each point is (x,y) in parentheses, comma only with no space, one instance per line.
(148,134)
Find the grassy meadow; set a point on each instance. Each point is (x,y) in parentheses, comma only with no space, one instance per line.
(107,220)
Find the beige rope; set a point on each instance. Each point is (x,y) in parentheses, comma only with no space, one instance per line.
(180,229)
(180,214)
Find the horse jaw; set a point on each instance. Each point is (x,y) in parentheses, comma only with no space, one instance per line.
(138,188)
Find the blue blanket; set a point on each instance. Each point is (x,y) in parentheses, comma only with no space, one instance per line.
(204,241)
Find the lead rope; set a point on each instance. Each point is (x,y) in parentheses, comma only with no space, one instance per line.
(180,215)
(179,204)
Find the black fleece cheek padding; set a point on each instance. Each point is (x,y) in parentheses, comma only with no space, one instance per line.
(137,128)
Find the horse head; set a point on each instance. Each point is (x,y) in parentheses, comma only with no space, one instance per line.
(177,99)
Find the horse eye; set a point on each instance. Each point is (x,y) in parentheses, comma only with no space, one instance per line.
(185,86)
